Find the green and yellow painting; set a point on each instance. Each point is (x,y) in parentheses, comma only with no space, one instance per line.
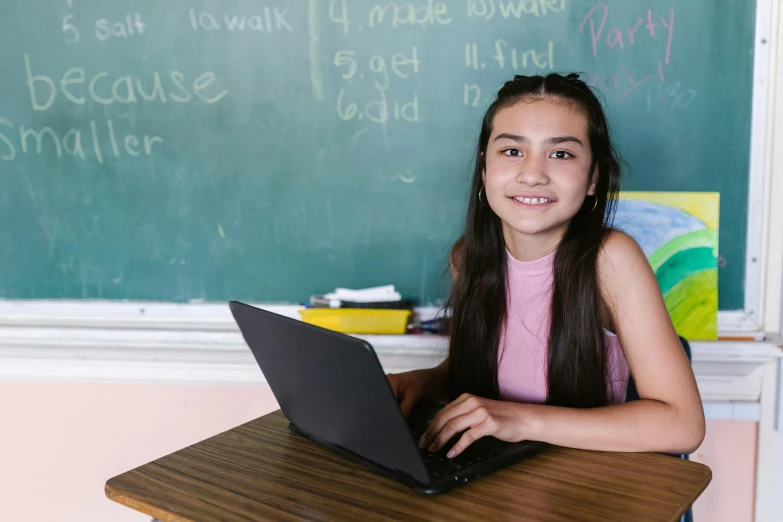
(678,232)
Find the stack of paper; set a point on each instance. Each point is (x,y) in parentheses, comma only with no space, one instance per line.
(378,294)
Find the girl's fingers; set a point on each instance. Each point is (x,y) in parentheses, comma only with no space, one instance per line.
(454,426)
(460,406)
(469,437)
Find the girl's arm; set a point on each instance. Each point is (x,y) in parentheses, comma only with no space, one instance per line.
(667,418)
(669,415)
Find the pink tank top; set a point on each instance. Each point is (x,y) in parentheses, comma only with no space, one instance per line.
(522,354)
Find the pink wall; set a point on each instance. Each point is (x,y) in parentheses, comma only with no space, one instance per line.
(60,442)
(65,440)
(729,449)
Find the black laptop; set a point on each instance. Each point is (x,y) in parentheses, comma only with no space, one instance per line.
(332,389)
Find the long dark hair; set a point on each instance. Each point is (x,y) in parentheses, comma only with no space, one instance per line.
(577,358)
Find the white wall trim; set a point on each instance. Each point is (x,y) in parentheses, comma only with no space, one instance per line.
(769,479)
(729,373)
(200,344)
(773,256)
(756,244)
(732,411)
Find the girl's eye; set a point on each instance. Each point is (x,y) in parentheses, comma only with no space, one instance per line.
(561,154)
(512,152)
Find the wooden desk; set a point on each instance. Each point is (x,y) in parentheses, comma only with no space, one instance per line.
(259,471)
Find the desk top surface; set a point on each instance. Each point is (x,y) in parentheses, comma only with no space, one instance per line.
(260,471)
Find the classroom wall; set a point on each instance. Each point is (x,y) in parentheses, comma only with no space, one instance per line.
(62,441)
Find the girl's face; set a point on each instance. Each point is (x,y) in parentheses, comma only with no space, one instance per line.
(537,166)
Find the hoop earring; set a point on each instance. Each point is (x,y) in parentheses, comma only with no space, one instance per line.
(479,196)
(594,204)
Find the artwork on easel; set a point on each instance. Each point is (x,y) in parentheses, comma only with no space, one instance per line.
(678,232)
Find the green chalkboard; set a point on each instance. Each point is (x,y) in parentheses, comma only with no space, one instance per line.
(266,151)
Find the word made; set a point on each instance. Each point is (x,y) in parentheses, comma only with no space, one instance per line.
(392,14)
(431,13)
(76,88)
(620,37)
(272,20)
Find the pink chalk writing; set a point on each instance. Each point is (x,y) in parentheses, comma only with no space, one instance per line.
(670,27)
(619,86)
(635,84)
(623,87)
(615,37)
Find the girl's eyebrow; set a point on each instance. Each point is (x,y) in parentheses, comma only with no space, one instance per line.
(565,139)
(552,141)
(512,137)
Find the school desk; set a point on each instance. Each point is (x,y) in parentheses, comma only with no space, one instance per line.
(260,471)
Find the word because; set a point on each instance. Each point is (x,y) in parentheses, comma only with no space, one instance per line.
(122,90)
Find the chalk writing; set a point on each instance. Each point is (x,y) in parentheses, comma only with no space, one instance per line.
(514,9)
(72,34)
(615,37)
(132,25)
(516,59)
(524,58)
(268,21)
(338,13)
(379,110)
(74,142)
(670,97)
(402,66)
(394,14)
(621,85)
(124,89)
(605,38)
(471,95)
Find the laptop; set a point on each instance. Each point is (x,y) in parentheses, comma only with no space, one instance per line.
(333,391)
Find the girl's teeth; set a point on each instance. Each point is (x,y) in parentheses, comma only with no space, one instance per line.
(533,201)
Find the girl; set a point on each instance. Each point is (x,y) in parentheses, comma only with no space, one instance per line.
(550,305)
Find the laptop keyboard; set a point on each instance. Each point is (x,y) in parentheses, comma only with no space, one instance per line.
(439,465)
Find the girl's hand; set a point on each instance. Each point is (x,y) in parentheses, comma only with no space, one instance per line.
(408,387)
(480,417)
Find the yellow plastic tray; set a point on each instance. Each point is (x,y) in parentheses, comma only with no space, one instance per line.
(358,320)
